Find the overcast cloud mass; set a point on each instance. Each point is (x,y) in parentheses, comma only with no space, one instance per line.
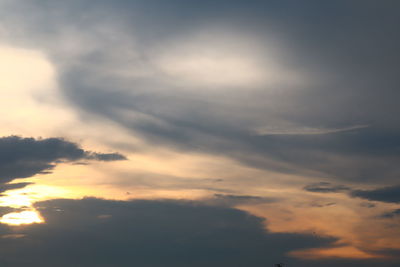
(218,133)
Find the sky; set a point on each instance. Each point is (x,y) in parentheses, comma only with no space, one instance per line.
(199,133)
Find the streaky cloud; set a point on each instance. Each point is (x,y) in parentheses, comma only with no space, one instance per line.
(306,130)
(231,200)
(326,187)
(6,186)
(105,156)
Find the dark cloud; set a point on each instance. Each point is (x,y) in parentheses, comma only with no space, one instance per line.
(6,187)
(95,232)
(322,205)
(326,187)
(368,205)
(390,194)
(105,156)
(229,200)
(25,157)
(5,210)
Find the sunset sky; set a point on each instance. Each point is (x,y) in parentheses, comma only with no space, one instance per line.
(183,133)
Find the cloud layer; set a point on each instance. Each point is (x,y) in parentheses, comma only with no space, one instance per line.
(266,97)
(175,83)
(96,232)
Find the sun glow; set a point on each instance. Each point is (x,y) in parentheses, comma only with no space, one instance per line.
(15,201)
(24,217)
(345,252)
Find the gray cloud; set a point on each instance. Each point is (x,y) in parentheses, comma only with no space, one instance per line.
(105,156)
(106,54)
(325,187)
(391,214)
(96,232)
(305,130)
(230,200)
(367,205)
(25,157)
(6,187)
(389,194)
(347,52)
(322,205)
(5,210)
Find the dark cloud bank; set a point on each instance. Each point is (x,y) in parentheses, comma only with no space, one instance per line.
(26,157)
(97,232)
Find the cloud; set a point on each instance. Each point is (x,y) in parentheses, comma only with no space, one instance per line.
(230,200)
(325,187)
(122,69)
(6,187)
(367,205)
(147,233)
(105,156)
(107,57)
(306,130)
(97,232)
(25,157)
(321,205)
(391,214)
(6,210)
(390,194)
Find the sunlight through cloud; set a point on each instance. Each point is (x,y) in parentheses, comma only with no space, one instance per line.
(19,218)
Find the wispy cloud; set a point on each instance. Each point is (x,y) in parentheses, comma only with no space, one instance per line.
(306,130)
(325,187)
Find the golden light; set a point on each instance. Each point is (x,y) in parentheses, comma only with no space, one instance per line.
(19,218)
(345,252)
(15,201)
(30,95)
